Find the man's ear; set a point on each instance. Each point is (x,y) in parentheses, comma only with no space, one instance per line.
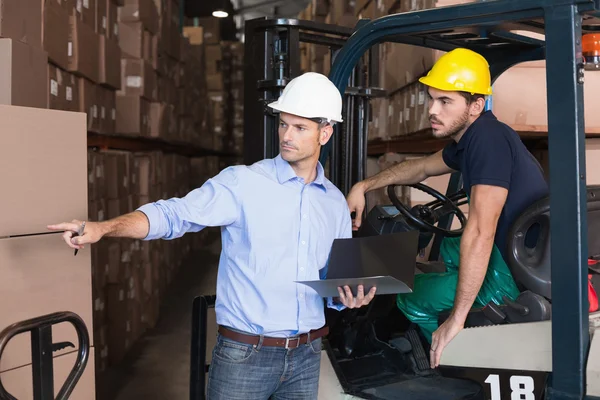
(478,106)
(325,134)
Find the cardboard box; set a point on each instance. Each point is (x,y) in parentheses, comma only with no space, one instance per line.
(150,48)
(115,170)
(138,78)
(56,33)
(23,74)
(115,209)
(34,137)
(403,64)
(214,55)
(88,12)
(84,50)
(132,115)
(172,92)
(215,82)
(212,29)
(96,177)
(19,383)
(195,34)
(159,123)
(21,20)
(142,164)
(57,89)
(102,25)
(41,275)
(110,66)
(89,104)
(72,91)
(174,45)
(137,43)
(530,113)
(119,324)
(113,20)
(143,11)
(108,110)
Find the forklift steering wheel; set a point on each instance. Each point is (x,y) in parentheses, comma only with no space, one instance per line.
(423,216)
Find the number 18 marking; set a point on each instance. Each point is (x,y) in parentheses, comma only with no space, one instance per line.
(521,387)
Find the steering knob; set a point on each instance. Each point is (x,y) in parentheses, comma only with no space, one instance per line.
(425,212)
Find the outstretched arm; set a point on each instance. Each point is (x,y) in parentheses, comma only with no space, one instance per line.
(214,204)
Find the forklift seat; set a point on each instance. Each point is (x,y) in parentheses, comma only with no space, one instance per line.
(529,262)
(529,243)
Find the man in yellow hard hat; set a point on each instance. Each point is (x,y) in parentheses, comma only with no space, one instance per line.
(501,179)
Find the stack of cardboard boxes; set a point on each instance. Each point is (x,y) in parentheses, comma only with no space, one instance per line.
(224,84)
(130,277)
(233,64)
(151,48)
(125,63)
(196,115)
(82,42)
(42,169)
(405,110)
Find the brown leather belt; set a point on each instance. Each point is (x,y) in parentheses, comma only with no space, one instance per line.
(288,343)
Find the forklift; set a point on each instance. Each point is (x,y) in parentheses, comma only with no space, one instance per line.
(544,345)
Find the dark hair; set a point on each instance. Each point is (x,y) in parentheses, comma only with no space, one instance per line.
(321,121)
(471,98)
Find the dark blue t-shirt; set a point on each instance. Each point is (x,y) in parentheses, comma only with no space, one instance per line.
(492,153)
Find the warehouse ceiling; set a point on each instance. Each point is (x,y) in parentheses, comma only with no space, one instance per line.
(242,10)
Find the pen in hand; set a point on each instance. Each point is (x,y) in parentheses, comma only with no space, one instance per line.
(79,233)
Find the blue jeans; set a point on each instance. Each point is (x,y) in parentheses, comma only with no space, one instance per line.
(240,371)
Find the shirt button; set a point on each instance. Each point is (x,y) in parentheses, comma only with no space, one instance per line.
(305,216)
(301,268)
(301,321)
(301,295)
(303,242)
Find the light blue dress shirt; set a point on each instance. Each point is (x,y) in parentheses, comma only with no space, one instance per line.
(275,230)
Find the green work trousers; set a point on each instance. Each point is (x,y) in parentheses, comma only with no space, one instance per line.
(434,293)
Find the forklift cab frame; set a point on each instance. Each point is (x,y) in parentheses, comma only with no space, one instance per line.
(563,23)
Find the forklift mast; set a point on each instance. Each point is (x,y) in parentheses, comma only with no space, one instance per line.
(272,51)
(487,27)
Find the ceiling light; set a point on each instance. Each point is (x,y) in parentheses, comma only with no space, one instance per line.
(220,14)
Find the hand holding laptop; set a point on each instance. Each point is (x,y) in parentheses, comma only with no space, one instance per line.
(350,301)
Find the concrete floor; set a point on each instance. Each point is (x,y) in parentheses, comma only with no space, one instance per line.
(158,367)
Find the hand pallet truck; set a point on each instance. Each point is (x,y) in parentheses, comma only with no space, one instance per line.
(42,349)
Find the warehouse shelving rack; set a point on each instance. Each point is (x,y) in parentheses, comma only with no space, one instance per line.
(136,143)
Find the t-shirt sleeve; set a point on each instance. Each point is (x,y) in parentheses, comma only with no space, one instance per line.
(490,159)
(449,155)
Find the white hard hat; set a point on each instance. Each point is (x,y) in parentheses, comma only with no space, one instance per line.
(311,95)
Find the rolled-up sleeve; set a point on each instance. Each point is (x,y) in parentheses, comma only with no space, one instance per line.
(216,203)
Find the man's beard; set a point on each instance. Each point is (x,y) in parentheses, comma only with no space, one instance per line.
(456,126)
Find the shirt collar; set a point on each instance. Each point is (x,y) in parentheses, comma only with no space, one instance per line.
(485,116)
(285,172)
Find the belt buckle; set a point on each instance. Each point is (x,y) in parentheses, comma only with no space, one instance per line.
(287,342)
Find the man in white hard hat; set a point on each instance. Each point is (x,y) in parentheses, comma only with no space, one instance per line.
(279,218)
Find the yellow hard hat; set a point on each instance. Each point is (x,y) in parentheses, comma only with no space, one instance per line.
(460,70)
